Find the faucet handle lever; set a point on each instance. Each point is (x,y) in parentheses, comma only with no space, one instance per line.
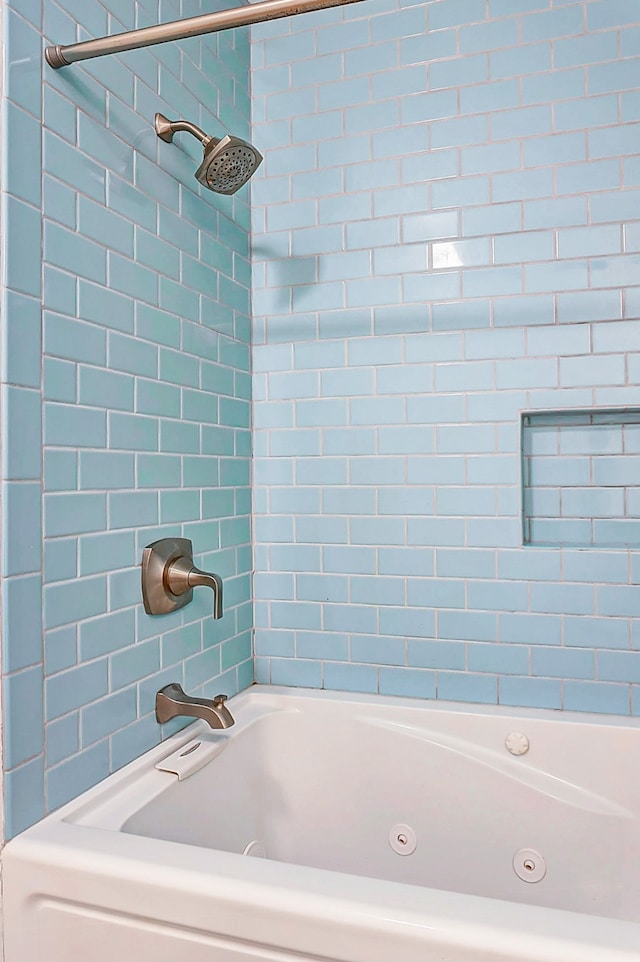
(182,575)
(169,577)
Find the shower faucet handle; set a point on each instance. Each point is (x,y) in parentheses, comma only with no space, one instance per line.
(169,577)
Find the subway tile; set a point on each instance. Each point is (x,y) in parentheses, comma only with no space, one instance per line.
(24,71)
(466,686)
(350,677)
(496,219)
(517,60)
(556,276)
(23,167)
(437,654)
(467,314)
(467,625)
(556,85)
(134,663)
(530,692)
(562,599)
(459,131)
(460,191)
(523,122)
(458,71)
(557,212)
(431,286)
(592,176)
(581,306)
(453,13)
(25,802)
(470,376)
(562,663)
(24,738)
(499,659)
(22,527)
(490,158)
(596,633)
(494,96)
(59,291)
(297,673)
(70,165)
(75,688)
(552,24)
(596,697)
(75,513)
(604,15)
(108,715)
(492,281)
(22,618)
(132,509)
(499,596)
(611,77)
(427,532)
(76,774)
(60,559)
(436,593)
(592,370)
(411,683)
(428,46)
(524,185)
(21,417)
(407,622)
(73,252)
(62,738)
(587,112)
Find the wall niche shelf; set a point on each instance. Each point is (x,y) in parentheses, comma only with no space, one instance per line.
(581,478)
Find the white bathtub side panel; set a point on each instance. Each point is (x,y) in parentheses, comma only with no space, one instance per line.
(68,903)
(75,932)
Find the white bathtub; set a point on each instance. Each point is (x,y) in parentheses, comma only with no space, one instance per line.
(150,868)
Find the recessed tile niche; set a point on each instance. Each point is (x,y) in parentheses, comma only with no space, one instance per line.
(581,478)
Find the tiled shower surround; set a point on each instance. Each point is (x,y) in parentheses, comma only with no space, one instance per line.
(446,265)
(129,420)
(446,235)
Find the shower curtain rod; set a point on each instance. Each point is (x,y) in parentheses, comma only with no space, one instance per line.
(59,56)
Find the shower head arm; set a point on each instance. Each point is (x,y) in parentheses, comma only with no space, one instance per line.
(165,129)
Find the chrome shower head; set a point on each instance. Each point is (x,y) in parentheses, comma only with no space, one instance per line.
(228,163)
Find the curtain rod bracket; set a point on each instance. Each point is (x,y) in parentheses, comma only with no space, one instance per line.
(55,57)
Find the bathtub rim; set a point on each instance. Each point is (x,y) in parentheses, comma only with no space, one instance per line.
(269,698)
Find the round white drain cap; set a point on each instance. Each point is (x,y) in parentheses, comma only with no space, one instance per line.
(402,839)
(529,865)
(517,743)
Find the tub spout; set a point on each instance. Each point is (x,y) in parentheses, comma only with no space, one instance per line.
(172,701)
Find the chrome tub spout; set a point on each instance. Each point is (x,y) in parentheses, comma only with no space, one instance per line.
(172,701)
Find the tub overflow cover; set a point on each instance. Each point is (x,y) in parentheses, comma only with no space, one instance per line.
(403,840)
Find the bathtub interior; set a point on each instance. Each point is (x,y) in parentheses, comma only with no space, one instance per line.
(330,783)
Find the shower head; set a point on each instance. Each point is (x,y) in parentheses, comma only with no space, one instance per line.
(228,162)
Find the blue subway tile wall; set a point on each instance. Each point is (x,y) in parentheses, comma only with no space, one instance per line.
(445,236)
(137,313)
